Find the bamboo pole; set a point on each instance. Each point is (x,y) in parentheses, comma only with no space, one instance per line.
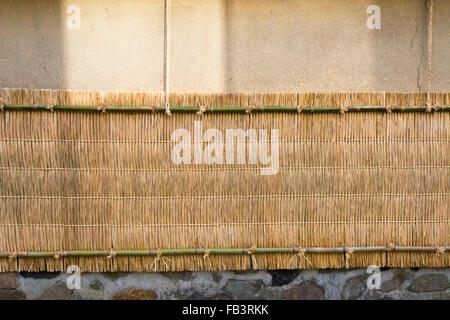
(217,251)
(69,108)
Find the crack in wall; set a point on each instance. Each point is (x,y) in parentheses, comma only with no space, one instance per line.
(422,46)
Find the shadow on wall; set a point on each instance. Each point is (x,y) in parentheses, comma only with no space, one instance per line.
(31,44)
(81,44)
(223,45)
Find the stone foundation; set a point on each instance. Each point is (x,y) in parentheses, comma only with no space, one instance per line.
(280,284)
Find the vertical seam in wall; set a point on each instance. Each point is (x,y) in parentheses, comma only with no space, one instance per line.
(430,48)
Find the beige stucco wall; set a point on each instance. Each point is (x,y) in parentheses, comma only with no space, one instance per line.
(224,45)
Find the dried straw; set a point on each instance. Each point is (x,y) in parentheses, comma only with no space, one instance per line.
(86,181)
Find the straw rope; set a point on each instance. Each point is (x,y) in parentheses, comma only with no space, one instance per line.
(212,169)
(251,253)
(2,104)
(226,197)
(300,255)
(41,225)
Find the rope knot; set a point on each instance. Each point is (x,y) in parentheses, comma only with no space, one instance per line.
(111,254)
(300,255)
(12,256)
(159,257)
(348,253)
(299,109)
(348,256)
(206,256)
(389,108)
(50,107)
(343,109)
(431,108)
(2,104)
(168,109)
(101,107)
(390,246)
(440,251)
(251,253)
(250,108)
(59,254)
(201,110)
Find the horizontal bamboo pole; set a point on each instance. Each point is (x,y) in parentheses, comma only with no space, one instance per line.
(224,109)
(216,251)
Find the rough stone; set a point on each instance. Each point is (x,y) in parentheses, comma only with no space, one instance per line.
(40,275)
(305,291)
(200,296)
(345,284)
(96,285)
(354,287)
(88,294)
(8,280)
(114,275)
(395,282)
(59,291)
(11,294)
(217,277)
(185,275)
(430,283)
(241,289)
(136,294)
(283,277)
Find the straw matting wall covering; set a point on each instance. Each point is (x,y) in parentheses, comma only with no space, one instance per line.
(106,181)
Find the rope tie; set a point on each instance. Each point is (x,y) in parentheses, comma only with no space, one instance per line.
(300,255)
(299,109)
(389,108)
(206,256)
(12,256)
(348,256)
(111,254)
(2,104)
(159,257)
(251,253)
(52,102)
(390,246)
(101,107)
(250,108)
(59,255)
(440,251)
(343,109)
(431,108)
(168,109)
(201,110)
